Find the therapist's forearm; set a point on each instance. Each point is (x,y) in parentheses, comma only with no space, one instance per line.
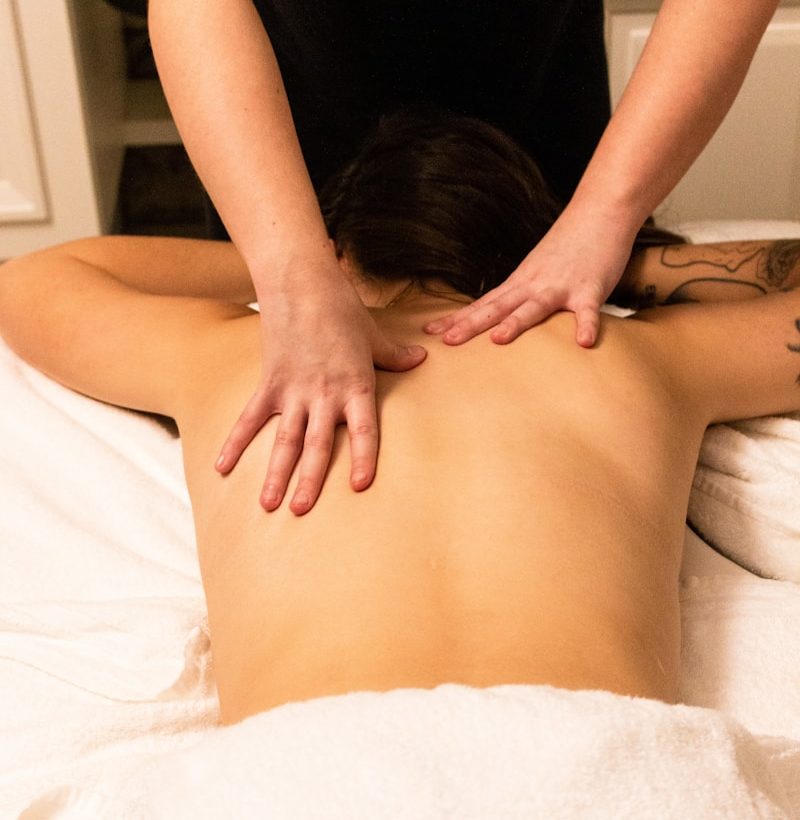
(687,78)
(226,94)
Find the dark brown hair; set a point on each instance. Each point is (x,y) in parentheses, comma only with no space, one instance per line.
(437,195)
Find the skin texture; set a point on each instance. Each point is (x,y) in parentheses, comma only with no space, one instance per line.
(514,534)
(227,91)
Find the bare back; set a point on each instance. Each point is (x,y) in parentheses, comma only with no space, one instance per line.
(526,522)
(525,525)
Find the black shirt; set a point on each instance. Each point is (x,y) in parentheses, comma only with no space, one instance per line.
(534,68)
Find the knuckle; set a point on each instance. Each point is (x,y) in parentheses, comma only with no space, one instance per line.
(588,308)
(249,418)
(318,441)
(540,298)
(306,487)
(364,430)
(361,464)
(361,387)
(327,390)
(288,438)
(479,319)
(255,414)
(549,295)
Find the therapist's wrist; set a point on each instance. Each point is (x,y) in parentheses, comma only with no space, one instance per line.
(309,268)
(619,211)
(618,203)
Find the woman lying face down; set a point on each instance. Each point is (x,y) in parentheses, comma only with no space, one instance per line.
(526,521)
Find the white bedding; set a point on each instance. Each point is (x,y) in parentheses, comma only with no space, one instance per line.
(107,689)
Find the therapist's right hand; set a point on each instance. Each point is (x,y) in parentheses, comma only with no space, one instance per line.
(318,370)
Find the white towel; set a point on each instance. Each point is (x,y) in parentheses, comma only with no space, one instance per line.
(740,651)
(458,752)
(745,500)
(101,652)
(93,504)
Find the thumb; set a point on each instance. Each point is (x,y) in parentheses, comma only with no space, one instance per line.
(588,324)
(388,356)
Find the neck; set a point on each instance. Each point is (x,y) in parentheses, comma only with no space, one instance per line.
(407,296)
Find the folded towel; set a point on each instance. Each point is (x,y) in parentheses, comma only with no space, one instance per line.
(508,751)
(745,500)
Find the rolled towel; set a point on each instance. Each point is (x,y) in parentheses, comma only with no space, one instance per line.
(745,500)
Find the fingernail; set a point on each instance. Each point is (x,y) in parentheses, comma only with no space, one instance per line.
(220,462)
(270,498)
(359,478)
(433,327)
(300,501)
(416,351)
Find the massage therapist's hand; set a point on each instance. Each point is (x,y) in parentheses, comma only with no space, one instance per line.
(574,267)
(317,373)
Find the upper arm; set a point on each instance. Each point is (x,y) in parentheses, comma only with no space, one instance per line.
(733,360)
(78,324)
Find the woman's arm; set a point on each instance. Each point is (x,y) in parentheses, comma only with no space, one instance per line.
(687,78)
(96,315)
(732,359)
(691,69)
(167,266)
(718,272)
(319,343)
(225,91)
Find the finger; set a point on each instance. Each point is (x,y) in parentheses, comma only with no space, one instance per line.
(397,357)
(254,416)
(317,447)
(286,450)
(536,309)
(443,324)
(362,427)
(588,325)
(482,319)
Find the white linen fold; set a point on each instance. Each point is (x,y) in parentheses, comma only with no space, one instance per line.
(459,752)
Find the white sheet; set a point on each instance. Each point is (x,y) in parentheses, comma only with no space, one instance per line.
(460,752)
(104,663)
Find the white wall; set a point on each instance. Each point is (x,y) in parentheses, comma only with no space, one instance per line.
(751,168)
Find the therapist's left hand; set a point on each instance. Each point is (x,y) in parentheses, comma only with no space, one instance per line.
(574,267)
